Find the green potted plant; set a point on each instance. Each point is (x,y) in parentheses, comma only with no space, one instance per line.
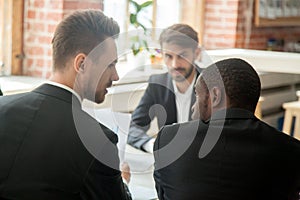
(138,41)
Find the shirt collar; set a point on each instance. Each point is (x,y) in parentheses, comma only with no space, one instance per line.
(66,88)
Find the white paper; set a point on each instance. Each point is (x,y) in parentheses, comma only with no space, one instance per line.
(142,193)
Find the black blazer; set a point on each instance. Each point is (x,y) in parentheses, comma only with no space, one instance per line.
(157,101)
(250,160)
(42,155)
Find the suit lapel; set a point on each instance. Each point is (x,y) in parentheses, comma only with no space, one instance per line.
(171,95)
(192,103)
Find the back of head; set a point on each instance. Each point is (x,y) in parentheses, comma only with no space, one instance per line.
(81,32)
(240,80)
(180,34)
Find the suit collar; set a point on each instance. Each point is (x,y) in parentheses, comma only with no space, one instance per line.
(232,113)
(65,87)
(57,92)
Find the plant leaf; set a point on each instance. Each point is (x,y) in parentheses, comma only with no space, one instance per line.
(145,44)
(138,9)
(134,3)
(132,18)
(134,38)
(135,51)
(141,25)
(146,4)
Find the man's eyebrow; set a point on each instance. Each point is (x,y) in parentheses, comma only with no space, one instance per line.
(182,52)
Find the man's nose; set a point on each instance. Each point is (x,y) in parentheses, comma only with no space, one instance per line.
(175,62)
(114,76)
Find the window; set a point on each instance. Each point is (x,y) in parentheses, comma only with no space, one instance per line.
(165,19)
(156,13)
(118,9)
(11,36)
(5,36)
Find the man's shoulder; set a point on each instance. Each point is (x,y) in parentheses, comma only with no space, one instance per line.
(186,130)
(187,125)
(160,83)
(180,136)
(159,78)
(15,99)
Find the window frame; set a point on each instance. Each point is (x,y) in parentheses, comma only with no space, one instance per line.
(12,52)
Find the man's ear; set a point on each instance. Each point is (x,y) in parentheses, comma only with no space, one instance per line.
(198,56)
(79,62)
(216,96)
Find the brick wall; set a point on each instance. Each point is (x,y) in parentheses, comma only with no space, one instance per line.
(220,23)
(71,5)
(40,20)
(225,27)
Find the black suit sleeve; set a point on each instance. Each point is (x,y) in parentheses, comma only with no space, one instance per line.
(111,186)
(140,120)
(157,177)
(1,93)
(103,179)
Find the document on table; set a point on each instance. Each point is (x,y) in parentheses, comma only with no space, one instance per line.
(142,193)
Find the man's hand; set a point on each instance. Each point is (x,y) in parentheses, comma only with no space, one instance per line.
(125,172)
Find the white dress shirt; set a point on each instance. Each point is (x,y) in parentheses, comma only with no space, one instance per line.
(183,102)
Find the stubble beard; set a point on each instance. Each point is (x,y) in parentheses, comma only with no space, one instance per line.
(182,78)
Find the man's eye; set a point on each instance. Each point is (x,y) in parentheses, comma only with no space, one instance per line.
(111,65)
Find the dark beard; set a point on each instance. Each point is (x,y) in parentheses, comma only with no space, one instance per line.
(184,78)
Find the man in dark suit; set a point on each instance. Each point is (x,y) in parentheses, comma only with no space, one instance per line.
(49,147)
(169,96)
(226,152)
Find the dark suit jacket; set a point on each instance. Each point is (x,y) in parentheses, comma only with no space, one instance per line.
(42,155)
(250,160)
(158,101)
(1,93)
